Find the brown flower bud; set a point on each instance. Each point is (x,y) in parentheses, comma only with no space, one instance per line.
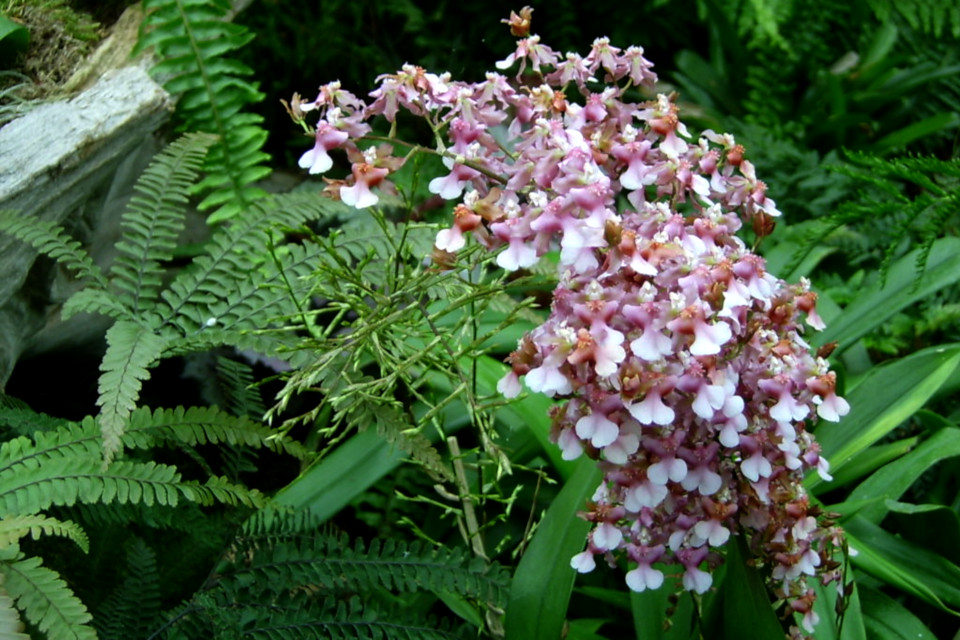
(520,24)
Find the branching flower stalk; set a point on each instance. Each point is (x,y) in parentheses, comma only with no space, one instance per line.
(679,360)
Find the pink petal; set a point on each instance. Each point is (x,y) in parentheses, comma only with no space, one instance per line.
(709,338)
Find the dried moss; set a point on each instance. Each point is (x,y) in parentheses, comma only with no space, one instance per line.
(60,37)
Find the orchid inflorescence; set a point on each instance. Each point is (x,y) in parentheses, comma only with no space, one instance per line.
(679,359)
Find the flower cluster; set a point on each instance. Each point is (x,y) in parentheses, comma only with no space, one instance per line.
(680,361)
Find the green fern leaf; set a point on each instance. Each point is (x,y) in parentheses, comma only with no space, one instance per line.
(929,16)
(68,441)
(241,397)
(92,300)
(919,196)
(13,528)
(202,425)
(22,420)
(221,490)
(332,618)
(131,350)
(395,428)
(193,39)
(66,481)
(51,240)
(46,600)
(11,627)
(217,290)
(130,611)
(154,219)
(333,564)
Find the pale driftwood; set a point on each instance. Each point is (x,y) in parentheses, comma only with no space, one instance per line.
(71,162)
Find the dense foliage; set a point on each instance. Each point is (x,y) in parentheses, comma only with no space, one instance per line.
(761,390)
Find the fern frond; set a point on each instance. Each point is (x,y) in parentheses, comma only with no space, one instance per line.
(11,627)
(193,39)
(920,194)
(65,481)
(46,601)
(332,563)
(202,425)
(221,490)
(218,286)
(11,402)
(22,420)
(67,441)
(929,16)
(130,611)
(51,240)
(154,218)
(241,396)
(13,528)
(99,301)
(331,618)
(131,350)
(232,611)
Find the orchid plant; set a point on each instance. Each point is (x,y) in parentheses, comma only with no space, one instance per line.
(679,363)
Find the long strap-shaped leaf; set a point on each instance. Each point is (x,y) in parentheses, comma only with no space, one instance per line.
(890,482)
(543,580)
(878,302)
(882,400)
(904,565)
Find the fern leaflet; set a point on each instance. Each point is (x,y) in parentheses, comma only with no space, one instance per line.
(131,609)
(46,601)
(11,626)
(202,425)
(154,219)
(66,481)
(51,240)
(193,38)
(12,528)
(930,16)
(332,563)
(131,350)
(241,396)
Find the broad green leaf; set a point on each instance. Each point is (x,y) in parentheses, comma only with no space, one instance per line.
(915,131)
(619,598)
(746,604)
(585,629)
(887,619)
(540,593)
(880,301)
(785,252)
(890,482)
(650,621)
(851,627)
(881,44)
(882,400)
(904,565)
(329,485)
(871,459)
(461,606)
(14,38)
(935,527)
